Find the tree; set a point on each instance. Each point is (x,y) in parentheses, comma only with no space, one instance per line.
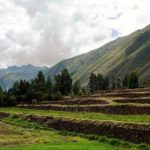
(31,95)
(93,82)
(83,91)
(76,87)
(63,82)
(125,82)
(105,83)
(99,82)
(40,82)
(2,96)
(23,87)
(56,86)
(14,89)
(133,80)
(118,84)
(113,82)
(11,100)
(49,85)
(1,90)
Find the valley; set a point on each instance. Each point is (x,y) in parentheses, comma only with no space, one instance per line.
(84,128)
(74,75)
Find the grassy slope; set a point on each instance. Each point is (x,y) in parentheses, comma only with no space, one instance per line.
(29,136)
(92,116)
(115,58)
(85,146)
(15,135)
(40,137)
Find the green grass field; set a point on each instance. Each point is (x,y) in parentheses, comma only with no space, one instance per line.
(81,115)
(23,135)
(77,146)
(17,134)
(18,138)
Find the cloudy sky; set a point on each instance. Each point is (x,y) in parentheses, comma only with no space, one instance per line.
(43,32)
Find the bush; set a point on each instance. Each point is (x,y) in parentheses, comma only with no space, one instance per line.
(133,80)
(114,142)
(56,96)
(12,100)
(143,147)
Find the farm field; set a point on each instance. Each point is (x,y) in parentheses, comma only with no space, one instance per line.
(46,126)
(17,134)
(143,119)
(120,102)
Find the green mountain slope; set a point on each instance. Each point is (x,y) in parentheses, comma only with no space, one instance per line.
(115,59)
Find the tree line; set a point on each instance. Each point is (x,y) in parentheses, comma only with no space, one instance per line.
(46,89)
(40,89)
(99,82)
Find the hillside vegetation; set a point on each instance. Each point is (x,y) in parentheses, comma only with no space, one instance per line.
(111,119)
(117,58)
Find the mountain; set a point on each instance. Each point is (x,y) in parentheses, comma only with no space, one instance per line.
(13,73)
(114,59)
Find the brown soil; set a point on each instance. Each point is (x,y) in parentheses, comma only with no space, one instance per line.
(3,115)
(77,102)
(123,94)
(124,90)
(135,100)
(134,90)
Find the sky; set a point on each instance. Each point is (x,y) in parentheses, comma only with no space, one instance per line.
(44,32)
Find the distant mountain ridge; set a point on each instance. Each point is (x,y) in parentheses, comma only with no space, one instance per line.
(114,59)
(14,73)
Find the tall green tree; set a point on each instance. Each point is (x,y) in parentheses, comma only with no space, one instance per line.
(1,90)
(99,82)
(40,82)
(93,82)
(1,97)
(49,85)
(105,83)
(133,80)
(23,87)
(125,82)
(76,87)
(118,84)
(14,89)
(114,85)
(63,82)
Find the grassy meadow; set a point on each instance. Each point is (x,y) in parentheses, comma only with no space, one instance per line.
(18,134)
(81,115)
(32,136)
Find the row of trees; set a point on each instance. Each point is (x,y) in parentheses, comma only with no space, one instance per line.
(6,100)
(41,88)
(129,81)
(99,82)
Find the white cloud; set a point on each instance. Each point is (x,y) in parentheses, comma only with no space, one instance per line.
(43,32)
